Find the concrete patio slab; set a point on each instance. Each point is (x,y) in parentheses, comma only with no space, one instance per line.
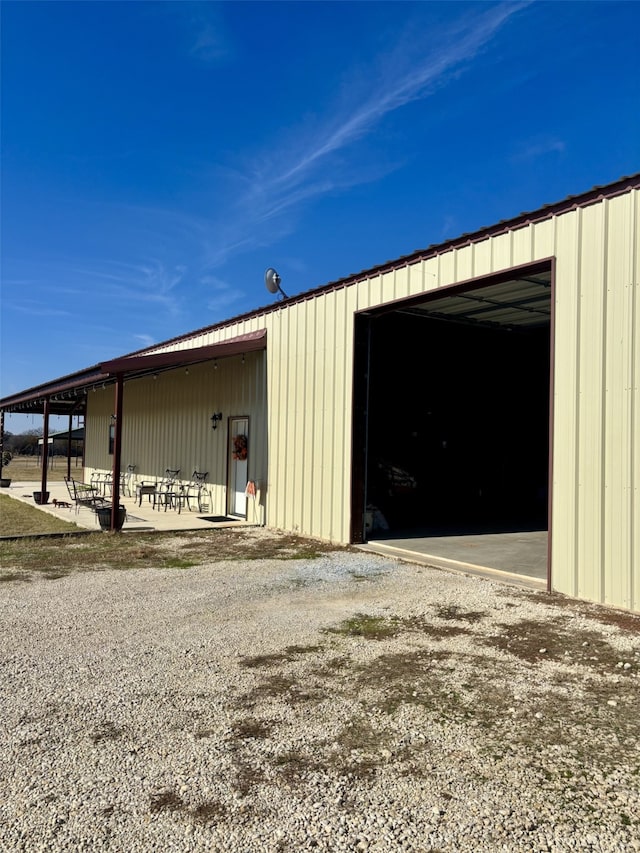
(143,517)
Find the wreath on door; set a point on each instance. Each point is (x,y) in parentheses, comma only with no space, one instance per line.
(240,445)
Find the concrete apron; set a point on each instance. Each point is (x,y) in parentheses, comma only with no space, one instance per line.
(517,558)
(143,517)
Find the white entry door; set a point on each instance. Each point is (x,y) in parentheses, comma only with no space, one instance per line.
(238,466)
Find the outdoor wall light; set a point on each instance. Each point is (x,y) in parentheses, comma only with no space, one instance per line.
(217,416)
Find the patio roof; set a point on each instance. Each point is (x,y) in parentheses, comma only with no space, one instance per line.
(67,395)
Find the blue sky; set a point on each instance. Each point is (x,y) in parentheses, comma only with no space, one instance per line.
(158,157)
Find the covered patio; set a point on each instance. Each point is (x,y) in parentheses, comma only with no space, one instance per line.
(143,517)
(67,396)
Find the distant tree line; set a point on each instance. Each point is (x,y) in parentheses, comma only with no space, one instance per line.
(26,444)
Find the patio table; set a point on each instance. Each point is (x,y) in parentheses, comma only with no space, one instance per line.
(149,489)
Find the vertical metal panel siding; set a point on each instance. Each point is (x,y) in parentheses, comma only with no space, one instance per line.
(590,559)
(566,379)
(621,520)
(99,409)
(591,312)
(482,254)
(521,245)
(310,351)
(307,428)
(595,518)
(166,422)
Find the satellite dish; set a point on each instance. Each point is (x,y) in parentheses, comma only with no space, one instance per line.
(272,281)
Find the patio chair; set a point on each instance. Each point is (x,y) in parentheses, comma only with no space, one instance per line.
(128,480)
(101,481)
(198,492)
(83,494)
(106,484)
(167,494)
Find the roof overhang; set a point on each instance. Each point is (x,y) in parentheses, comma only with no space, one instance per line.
(139,365)
(67,395)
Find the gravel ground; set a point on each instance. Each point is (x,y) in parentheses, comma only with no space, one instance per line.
(346,703)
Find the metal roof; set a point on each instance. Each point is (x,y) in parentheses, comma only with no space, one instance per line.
(593,196)
(67,394)
(77,434)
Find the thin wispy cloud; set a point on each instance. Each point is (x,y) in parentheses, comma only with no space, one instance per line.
(263,201)
(36,310)
(536,148)
(393,87)
(208,46)
(144,340)
(221,293)
(208,38)
(150,287)
(150,282)
(280,183)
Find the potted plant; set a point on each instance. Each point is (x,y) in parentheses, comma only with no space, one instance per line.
(41,497)
(5,482)
(104,517)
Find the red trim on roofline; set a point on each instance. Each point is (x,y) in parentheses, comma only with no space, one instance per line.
(135,365)
(94,374)
(251,342)
(592,196)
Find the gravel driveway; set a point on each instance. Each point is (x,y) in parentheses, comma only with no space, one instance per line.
(345,703)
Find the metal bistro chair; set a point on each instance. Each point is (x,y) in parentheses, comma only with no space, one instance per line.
(101,482)
(167,494)
(128,480)
(106,485)
(198,492)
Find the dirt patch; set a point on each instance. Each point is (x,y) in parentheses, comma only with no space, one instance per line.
(607,616)
(557,639)
(22,559)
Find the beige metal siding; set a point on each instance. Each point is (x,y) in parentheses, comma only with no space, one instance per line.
(590,412)
(621,515)
(596,403)
(595,518)
(310,356)
(305,435)
(166,423)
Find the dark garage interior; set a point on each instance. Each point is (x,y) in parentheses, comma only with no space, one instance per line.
(457,424)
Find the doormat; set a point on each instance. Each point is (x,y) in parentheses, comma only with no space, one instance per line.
(215,518)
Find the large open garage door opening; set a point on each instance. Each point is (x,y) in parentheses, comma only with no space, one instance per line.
(456,415)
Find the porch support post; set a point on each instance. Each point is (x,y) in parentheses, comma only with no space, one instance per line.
(45,447)
(117,453)
(1,439)
(69,448)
